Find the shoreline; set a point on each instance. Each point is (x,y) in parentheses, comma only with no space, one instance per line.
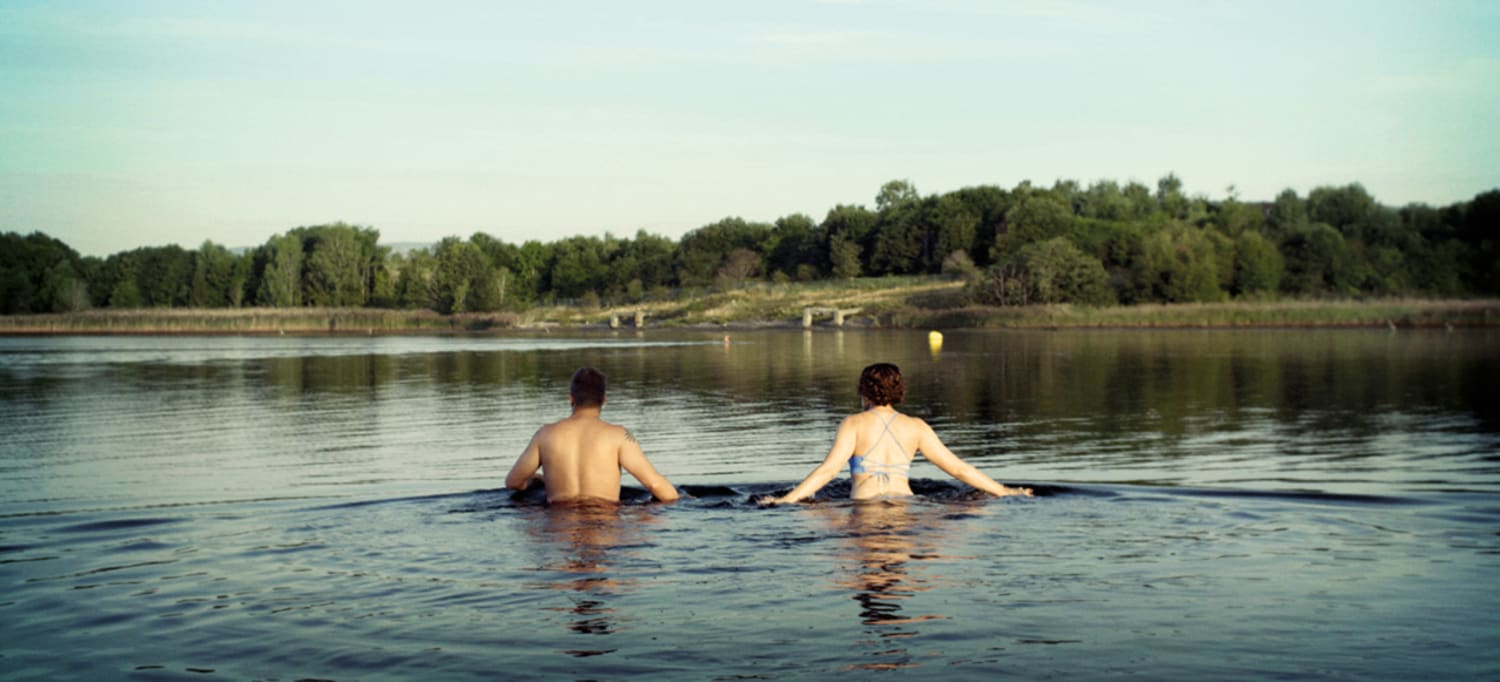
(1391,314)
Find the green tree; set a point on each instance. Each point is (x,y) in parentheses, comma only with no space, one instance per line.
(163,275)
(1258,265)
(1051,271)
(62,285)
(1234,217)
(950,226)
(332,271)
(1104,200)
(1223,247)
(703,251)
(578,267)
(1170,198)
(530,268)
(643,264)
(895,194)
(1388,273)
(741,265)
(1480,230)
(281,272)
(1179,265)
(895,246)
(1316,261)
(527,265)
(795,242)
(844,257)
(39,274)
(1061,273)
(213,277)
(460,281)
(1035,218)
(988,204)
(126,294)
(1346,209)
(416,275)
(1142,204)
(1442,268)
(842,232)
(339,263)
(1288,214)
(241,275)
(383,284)
(115,286)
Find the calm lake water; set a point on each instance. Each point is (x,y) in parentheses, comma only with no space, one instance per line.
(1211,505)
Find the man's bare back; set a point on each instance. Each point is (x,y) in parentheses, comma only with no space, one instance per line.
(582,457)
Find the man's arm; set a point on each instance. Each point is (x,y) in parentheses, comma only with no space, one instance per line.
(933,449)
(526,465)
(633,460)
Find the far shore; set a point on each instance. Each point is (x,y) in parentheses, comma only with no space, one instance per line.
(757,310)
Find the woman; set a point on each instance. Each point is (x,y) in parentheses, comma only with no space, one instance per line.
(880,443)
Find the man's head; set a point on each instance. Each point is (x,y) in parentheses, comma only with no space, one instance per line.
(587,389)
(881,384)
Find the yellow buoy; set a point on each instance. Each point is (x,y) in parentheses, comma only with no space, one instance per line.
(935,340)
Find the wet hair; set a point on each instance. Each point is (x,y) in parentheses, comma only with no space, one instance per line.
(881,384)
(587,388)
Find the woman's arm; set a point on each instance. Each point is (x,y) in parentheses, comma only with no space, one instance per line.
(838,456)
(933,449)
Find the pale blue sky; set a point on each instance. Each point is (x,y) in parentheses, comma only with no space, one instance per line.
(126,124)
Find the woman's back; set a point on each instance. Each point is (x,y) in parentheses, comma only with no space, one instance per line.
(885,443)
(878,446)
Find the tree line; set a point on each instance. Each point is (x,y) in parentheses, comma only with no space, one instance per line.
(1098,245)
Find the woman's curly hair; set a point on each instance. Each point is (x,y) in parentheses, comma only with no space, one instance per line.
(882,384)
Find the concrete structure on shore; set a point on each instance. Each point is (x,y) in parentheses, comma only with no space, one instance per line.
(838,315)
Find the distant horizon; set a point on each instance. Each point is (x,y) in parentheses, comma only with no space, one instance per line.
(155,122)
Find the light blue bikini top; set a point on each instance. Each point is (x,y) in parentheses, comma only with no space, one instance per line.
(858,465)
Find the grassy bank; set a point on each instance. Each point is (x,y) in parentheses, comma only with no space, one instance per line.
(891,302)
(1385,313)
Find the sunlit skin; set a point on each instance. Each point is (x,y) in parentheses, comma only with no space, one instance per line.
(581,458)
(865,433)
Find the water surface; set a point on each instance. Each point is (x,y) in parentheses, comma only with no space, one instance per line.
(1244,504)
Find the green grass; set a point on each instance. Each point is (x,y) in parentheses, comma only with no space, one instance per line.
(916,302)
(1405,313)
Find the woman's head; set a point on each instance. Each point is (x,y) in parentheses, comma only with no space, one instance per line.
(881,384)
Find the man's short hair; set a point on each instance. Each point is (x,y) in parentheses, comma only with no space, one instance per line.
(587,388)
(882,384)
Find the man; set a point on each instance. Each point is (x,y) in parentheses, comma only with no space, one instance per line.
(581,456)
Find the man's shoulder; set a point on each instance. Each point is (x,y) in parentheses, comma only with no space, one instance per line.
(614,429)
(599,428)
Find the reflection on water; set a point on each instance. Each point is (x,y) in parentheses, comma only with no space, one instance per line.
(881,547)
(577,544)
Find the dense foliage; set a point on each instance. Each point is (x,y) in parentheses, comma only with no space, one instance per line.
(1095,245)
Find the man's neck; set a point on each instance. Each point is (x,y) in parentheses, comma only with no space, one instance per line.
(587,412)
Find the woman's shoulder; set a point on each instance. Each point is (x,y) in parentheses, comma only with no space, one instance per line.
(909,418)
(915,422)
